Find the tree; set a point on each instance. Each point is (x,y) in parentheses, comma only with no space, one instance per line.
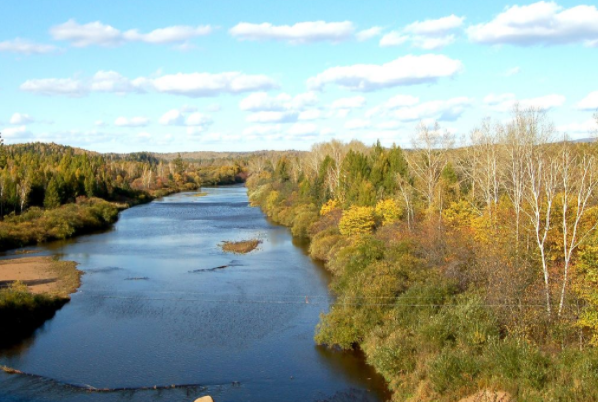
(357,220)
(429,159)
(23,189)
(52,196)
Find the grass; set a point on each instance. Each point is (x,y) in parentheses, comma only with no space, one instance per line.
(240,247)
(202,194)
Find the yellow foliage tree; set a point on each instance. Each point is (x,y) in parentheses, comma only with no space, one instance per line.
(357,220)
(388,211)
(329,207)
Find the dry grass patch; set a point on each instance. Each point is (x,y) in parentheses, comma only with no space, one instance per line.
(240,247)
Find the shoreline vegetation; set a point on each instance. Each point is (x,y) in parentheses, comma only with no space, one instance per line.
(33,289)
(54,192)
(461,273)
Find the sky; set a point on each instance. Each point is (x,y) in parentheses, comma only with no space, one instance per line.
(151,75)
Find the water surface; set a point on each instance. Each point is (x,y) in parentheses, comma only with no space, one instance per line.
(152,310)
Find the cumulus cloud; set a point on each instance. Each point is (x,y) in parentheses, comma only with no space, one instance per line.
(369,33)
(354,102)
(56,86)
(393,38)
(272,117)
(507,101)
(131,122)
(442,110)
(282,108)
(21,118)
(357,124)
(172,118)
(301,32)
(541,23)
(16,134)
(435,27)
(428,34)
(97,33)
(206,84)
(111,81)
(196,120)
(192,85)
(24,46)
(407,70)
(311,114)
(590,102)
(588,127)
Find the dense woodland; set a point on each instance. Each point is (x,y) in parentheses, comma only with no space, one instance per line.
(455,269)
(49,191)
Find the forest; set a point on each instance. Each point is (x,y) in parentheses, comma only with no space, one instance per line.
(456,269)
(50,191)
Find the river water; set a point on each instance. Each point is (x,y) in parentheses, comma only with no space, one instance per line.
(152,310)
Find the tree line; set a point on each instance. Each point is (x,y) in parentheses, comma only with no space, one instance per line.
(455,267)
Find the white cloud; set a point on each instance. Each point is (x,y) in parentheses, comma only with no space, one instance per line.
(198,119)
(311,114)
(431,43)
(590,102)
(354,102)
(443,110)
(261,130)
(282,108)
(24,46)
(401,100)
(435,27)
(393,38)
(541,23)
(192,85)
(261,101)
(393,103)
(304,129)
(132,122)
(144,134)
(21,118)
(97,33)
(16,134)
(176,117)
(428,34)
(369,33)
(168,35)
(93,33)
(100,123)
(588,127)
(506,102)
(111,81)
(56,86)
(302,32)
(206,84)
(389,125)
(407,70)
(357,124)
(272,117)
(172,118)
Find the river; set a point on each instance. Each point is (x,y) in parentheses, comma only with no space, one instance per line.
(152,310)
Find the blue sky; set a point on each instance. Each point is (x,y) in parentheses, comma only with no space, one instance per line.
(246,75)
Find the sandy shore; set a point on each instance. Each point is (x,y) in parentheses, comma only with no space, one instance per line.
(41,274)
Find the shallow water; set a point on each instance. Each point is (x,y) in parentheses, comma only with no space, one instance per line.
(142,317)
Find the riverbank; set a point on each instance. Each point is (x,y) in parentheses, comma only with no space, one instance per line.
(32,289)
